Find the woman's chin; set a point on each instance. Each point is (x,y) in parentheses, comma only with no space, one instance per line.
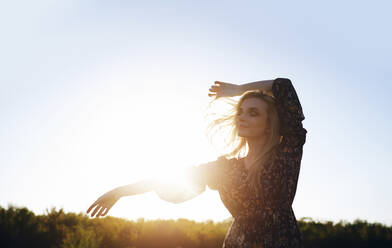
(248,135)
(243,134)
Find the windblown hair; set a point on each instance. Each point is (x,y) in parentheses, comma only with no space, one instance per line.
(225,125)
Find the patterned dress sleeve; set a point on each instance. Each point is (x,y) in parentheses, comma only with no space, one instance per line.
(284,174)
(290,111)
(209,174)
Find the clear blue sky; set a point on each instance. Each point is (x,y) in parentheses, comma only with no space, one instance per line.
(97,94)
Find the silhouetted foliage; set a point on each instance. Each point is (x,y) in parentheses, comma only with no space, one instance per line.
(20,227)
(343,234)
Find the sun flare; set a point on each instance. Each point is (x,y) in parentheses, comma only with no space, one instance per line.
(176,186)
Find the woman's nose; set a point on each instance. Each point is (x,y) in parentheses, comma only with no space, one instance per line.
(241,118)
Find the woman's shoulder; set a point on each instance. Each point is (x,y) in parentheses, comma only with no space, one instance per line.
(227,162)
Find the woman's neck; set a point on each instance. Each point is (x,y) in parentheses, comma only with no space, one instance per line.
(255,146)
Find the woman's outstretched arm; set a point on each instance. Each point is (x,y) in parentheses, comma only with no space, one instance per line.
(104,203)
(196,178)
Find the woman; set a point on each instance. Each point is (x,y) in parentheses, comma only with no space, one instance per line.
(259,188)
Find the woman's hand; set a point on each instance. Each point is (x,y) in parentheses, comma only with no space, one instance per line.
(221,89)
(104,203)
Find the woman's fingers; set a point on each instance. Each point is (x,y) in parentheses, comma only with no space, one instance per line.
(219,83)
(218,86)
(222,89)
(96,210)
(214,88)
(91,207)
(102,205)
(105,212)
(100,212)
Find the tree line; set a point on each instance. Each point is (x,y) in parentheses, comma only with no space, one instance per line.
(20,227)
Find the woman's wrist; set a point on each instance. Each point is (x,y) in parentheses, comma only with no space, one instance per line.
(140,187)
(240,89)
(120,191)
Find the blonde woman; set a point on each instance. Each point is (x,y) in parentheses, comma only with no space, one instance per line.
(257,178)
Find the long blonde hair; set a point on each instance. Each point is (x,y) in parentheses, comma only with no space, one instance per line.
(235,146)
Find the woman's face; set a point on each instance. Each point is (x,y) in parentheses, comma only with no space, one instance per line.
(252,118)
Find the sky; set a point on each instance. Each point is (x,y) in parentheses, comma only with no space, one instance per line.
(99,94)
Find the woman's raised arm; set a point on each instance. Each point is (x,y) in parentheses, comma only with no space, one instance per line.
(222,89)
(290,112)
(287,103)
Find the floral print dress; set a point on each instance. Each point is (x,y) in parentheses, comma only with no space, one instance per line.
(266,220)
